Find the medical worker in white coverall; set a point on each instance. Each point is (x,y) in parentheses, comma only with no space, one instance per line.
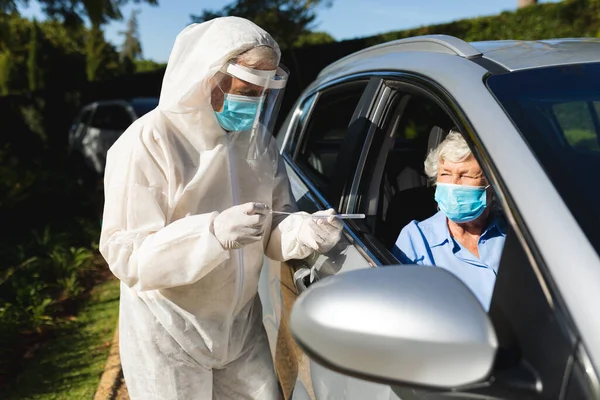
(189,190)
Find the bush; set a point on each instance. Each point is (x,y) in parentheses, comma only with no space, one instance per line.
(41,283)
(568,18)
(48,252)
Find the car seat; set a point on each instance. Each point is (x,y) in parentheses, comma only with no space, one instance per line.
(414,202)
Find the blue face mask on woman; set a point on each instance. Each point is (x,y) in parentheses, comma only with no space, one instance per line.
(461,203)
(239,112)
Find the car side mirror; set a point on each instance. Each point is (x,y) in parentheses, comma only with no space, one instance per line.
(408,325)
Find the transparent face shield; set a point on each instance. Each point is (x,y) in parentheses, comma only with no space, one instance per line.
(246,103)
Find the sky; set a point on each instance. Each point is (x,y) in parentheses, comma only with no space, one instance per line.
(345,19)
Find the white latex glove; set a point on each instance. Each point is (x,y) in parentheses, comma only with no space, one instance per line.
(240,225)
(320,234)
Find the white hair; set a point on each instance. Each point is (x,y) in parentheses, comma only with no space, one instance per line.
(453,148)
(258,55)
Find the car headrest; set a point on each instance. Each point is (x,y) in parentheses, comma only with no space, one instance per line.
(436,135)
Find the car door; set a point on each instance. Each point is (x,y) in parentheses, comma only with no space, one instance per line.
(324,138)
(391,110)
(405,119)
(539,355)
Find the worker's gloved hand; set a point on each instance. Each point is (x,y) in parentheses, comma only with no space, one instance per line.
(320,234)
(240,225)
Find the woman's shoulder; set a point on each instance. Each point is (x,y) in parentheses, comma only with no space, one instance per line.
(437,219)
(432,223)
(426,229)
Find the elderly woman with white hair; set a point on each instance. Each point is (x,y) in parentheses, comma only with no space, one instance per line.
(467,235)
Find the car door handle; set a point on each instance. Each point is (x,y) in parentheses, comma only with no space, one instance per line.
(302,279)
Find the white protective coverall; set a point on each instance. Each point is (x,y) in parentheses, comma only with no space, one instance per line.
(190,317)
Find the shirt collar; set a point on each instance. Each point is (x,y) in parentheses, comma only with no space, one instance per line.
(440,234)
(497,222)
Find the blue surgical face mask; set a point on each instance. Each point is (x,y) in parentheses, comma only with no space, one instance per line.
(461,203)
(239,112)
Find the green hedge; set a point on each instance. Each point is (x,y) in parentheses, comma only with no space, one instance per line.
(568,18)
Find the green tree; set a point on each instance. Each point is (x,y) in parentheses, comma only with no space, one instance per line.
(131,49)
(62,60)
(148,65)
(313,38)
(14,40)
(94,52)
(285,20)
(34,76)
(6,66)
(73,12)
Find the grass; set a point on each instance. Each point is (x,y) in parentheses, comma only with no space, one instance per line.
(70,365)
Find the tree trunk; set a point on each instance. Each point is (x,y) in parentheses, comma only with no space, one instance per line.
(525,3)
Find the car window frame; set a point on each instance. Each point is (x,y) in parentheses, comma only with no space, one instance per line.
(396,82)
(295,135)
(126,108)
(421,85)
(444,100)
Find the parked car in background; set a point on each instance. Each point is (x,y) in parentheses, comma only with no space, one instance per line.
(365,327)
(98,125)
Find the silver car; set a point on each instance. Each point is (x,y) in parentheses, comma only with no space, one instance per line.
(342,327)
(98,125)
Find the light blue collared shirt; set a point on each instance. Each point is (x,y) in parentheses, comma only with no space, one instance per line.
(430,243)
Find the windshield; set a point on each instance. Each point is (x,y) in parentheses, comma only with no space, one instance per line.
(557,110)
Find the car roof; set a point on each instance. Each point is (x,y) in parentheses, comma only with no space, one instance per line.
(509,55)
(520,54)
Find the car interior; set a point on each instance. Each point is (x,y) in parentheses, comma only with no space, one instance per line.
(326,131)
(399,191)
(415,127)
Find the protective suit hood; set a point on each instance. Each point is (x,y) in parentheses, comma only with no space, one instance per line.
(186,87)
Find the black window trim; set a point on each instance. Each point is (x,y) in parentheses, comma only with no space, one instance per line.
(321,202)
(297,135)
(294,120)
(381,105)
(300,131)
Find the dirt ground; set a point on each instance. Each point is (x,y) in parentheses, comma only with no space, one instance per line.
(122,391)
